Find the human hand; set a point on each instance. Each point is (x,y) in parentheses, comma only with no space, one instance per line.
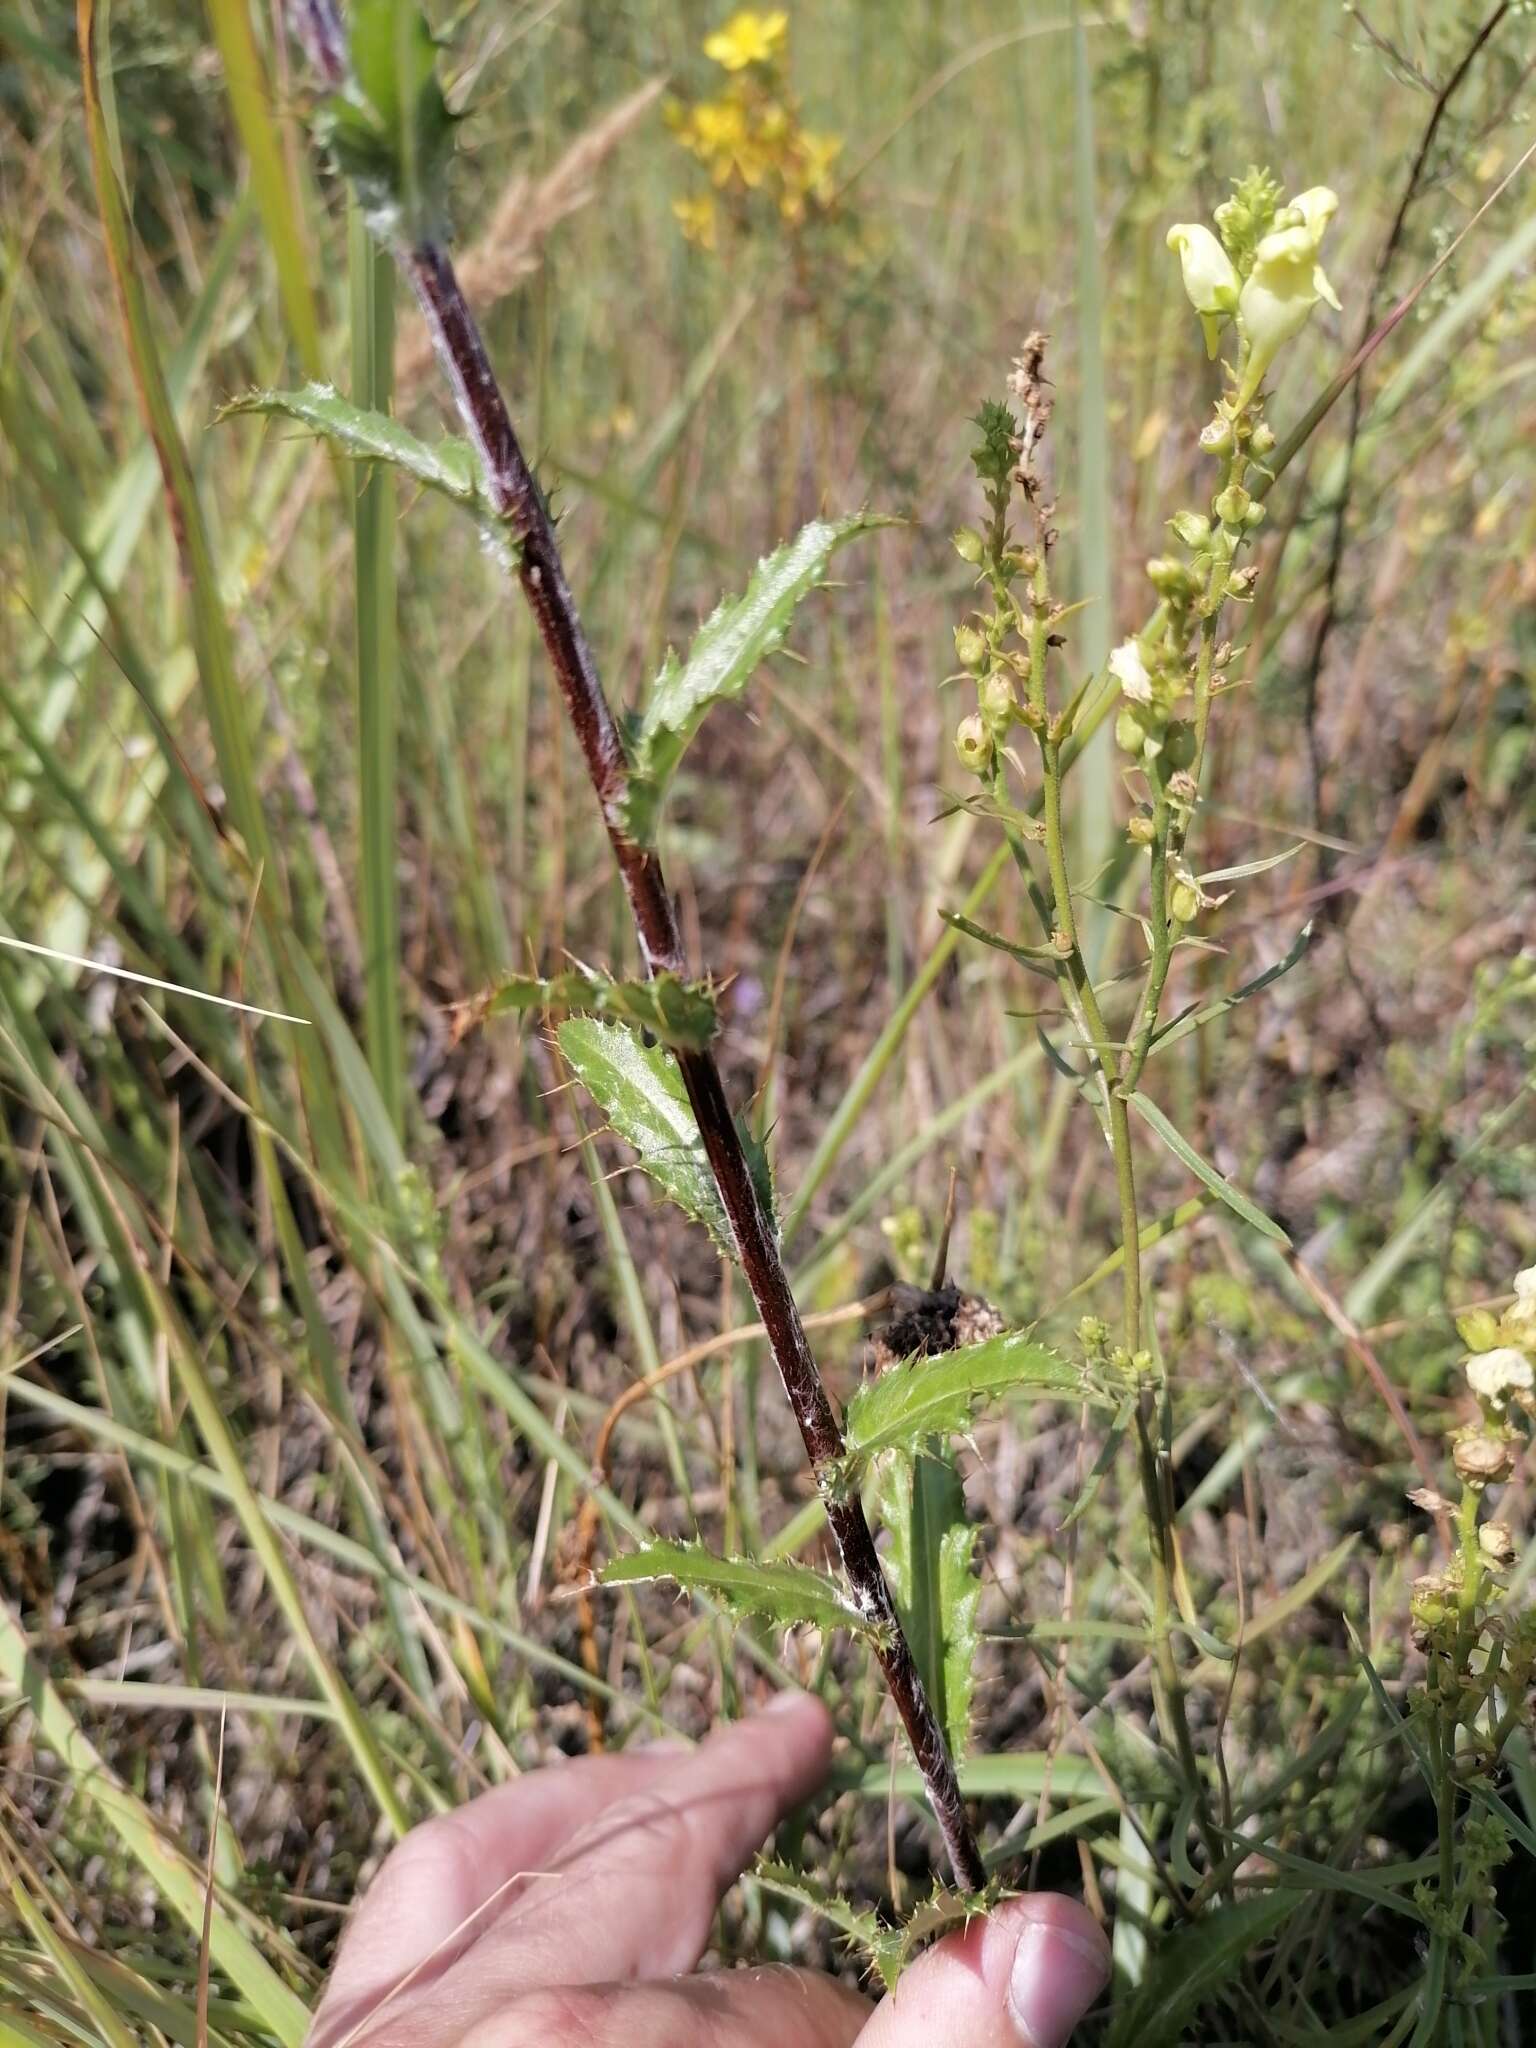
(568,1910)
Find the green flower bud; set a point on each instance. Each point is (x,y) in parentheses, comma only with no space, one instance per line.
(1140,829)
(970,646)
(1216,437)
(1171,578)
(1179,744)
(1130,732)
(1254,516)
(1232,505)
(969,545)
(995,696)
(1184,902)
(1262,440)
(973,743)
(1478,1329)
(1193,528)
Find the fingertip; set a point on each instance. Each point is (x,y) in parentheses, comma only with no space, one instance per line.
(1060,1964)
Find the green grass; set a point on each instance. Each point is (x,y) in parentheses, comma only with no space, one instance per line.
(308,1331)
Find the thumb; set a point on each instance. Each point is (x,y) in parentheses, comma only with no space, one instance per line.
(1021,1978)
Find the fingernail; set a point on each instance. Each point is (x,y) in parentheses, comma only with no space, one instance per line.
(1057,1974)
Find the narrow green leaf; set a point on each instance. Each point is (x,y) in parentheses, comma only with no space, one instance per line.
(678,1012)
(1202,1169)
(1193,1020)
(784,1593)
(929,1565)
(1196,1963)
(640,1090)
(1247,868)
(736,638)
(1038,959)
(926,1397)
(448,465)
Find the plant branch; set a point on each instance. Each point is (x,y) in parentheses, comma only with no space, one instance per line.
(540,571)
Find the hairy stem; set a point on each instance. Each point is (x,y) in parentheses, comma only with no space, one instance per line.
(541,573)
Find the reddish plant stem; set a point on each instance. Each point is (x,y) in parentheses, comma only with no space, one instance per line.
(541,573)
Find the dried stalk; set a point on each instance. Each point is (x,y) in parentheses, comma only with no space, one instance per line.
(483,410)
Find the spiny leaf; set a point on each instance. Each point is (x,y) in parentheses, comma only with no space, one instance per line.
(640,1090)
(448,465)
(929,1565)
(738,635)
(926,1397)
(678,1012)
(1192,1020)
(879,1945)
(784,1593)
(1202,1168)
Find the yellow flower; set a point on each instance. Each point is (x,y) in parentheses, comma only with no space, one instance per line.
(819,153)
(697,219)
(748,38)
(1285,283)
(1209,278)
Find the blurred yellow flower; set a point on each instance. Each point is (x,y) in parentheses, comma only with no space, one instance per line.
(697,219)
(748,38)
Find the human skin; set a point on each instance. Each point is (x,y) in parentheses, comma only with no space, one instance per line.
(570,1910)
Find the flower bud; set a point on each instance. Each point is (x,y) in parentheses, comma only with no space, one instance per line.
(1261,441)
(1179,744)
(1184,902)
(973,743)
(1193,528)
(969,545)
(994,694)
(1140,829)
(1210,279)
(1483,1460)
(1130,730)
(1170,577)
(1496,1544)
(1478,1329)
(970,646)
(1216,436)
(1232,505)
(1254,516)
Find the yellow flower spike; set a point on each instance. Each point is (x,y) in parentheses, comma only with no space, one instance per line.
(1210,280)
(748,38)
(1286,282)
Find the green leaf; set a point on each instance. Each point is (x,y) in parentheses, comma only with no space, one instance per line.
(1196,1963)
(389,129)
(678,1012)
(1192,1020)
(930,1568)
(784,1593)
(1038,959)
(879,1945)
(738,635)
(448,466)
(640,1090)
(1203,1170)
(926,1397)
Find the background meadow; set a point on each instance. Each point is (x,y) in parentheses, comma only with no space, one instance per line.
(308,1328)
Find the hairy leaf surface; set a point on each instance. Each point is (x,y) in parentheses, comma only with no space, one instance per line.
(926,1397)
(678,1012)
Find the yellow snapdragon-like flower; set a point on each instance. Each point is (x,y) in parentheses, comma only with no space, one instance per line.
(698,219)
(1286,282)
(748,38)
(1210,277)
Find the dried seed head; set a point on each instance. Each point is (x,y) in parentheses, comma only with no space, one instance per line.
(1483,1460)
(1496,1544)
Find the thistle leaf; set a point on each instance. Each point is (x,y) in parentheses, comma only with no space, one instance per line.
(677,1012)
(448,466)
(929,1565)
(927,1397)
(782,1593)
(639,1088)
(1202,1168)
(879,1945)
(730,645)
(389,129)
